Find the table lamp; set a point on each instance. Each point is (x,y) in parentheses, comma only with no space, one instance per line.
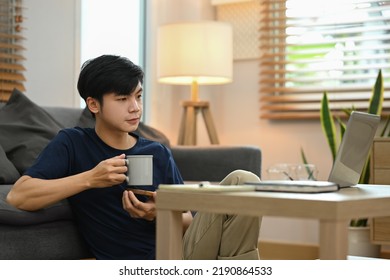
(195,53)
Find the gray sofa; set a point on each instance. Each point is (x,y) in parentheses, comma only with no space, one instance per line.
(51,233)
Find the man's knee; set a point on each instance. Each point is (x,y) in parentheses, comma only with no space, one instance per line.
(238,177)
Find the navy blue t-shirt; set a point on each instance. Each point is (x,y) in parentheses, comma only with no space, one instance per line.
(108,229)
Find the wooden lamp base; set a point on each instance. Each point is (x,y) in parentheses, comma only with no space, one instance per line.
(187,133)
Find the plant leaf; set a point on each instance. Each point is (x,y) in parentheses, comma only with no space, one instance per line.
(328,126)
(303,156)
(376,100)
(383,133)
(362,222)
(365,175)
(375,107)
(348,111)
(309,172)
(342,128)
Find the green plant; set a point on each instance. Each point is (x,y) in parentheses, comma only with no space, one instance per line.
(328,125)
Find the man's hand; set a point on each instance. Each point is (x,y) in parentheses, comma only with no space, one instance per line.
(108,172)
(138,209)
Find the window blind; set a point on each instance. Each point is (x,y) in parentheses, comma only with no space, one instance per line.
(309,47)
(11,48)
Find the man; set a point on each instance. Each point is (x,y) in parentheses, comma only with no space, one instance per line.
(87,166)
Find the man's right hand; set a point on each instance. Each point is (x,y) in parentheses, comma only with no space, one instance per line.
(108,172)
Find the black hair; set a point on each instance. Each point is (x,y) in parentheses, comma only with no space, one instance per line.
(107,74)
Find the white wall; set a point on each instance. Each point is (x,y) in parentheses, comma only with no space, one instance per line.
(52,51)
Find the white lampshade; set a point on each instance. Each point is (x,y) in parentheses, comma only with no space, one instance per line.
(200,52)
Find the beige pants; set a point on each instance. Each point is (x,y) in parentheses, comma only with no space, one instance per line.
(218,236)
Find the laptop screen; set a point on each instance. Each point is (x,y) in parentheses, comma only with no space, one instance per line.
(354,149)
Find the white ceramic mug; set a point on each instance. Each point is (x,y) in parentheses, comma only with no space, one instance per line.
(139,170)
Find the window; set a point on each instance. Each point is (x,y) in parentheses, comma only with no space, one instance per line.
(112,27)
(11,45)
(308,47)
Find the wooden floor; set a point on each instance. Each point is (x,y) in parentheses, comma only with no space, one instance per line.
(287,251)
(290,251)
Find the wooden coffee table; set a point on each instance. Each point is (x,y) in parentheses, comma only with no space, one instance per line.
(333,210)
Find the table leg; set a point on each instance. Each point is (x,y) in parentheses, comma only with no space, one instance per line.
(169,234)
(333,239)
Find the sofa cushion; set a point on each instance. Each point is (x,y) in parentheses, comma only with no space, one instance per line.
(25,129)
(66,116)
(8,172)
(212,163)
(143,130)
(86,119)
(152,134)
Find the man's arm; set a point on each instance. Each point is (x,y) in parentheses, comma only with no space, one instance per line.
(33,194)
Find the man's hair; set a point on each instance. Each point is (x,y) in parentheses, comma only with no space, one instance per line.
(107,74)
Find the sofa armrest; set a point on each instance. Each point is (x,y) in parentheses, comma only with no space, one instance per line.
(213,163)
(10,215)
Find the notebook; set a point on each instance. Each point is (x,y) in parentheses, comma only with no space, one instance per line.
(348,165)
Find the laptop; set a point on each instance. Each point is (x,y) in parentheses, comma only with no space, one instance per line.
(348,165)
(354,149)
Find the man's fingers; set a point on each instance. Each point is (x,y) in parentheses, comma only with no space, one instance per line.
(116,162)
(136,208)
(121,156)
(134,200)
(130,200)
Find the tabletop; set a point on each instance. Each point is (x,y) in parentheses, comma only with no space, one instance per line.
(366,200)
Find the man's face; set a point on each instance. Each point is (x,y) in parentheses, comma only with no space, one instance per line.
(122,112)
